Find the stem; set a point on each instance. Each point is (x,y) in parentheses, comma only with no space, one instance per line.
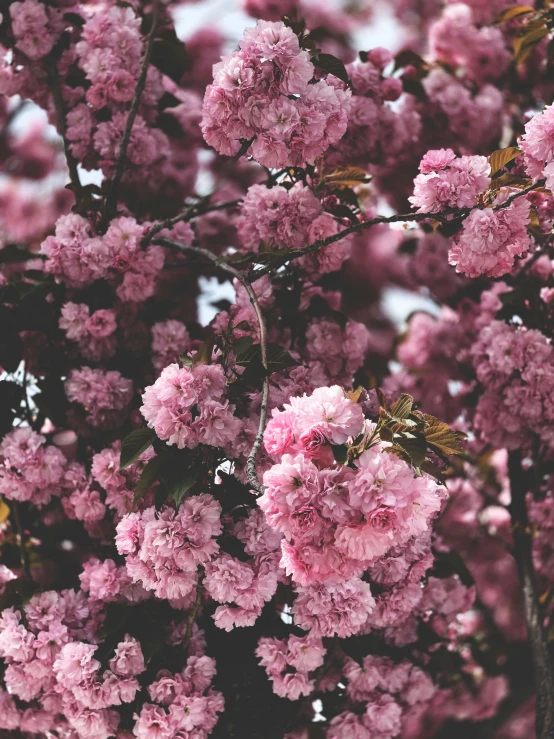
(523,554)
(194,611)
(245,281)
(59,106)
(519,194)
(110,207)
(23,554)
(193,211)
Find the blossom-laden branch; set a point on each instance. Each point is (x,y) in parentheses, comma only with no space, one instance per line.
(246,283)
(523,554)
(61,112)
(110,205)
(284,256)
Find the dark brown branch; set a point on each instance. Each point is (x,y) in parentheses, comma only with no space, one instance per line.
(523,554)
(193,211)
(110,206)
(59,105)
(23,554)
(251,473)
(519,194)
(194,611)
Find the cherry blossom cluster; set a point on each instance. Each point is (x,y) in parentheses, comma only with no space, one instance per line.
(104,396)
(31,470)
(183,704)
(265,93)
(51,658)
(93,334)
(77,257)
(491,239)
(186,406)
(98,71)
(379,133)
(277,540)
(446,181)
(515,367)
(456,41)
(338,521)
(537,146)
(163,552)
(388,694)
(278,218)
(118,484)
(289,662)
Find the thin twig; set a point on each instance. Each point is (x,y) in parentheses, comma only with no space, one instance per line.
(110,206)
(59,106)
(193,211)
(251,473)
(194,610)
(243,149)
(523,555)
(23,554)
(288,255)
(519,194)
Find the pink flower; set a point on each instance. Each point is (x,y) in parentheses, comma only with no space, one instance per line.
(75,664)
(128,659)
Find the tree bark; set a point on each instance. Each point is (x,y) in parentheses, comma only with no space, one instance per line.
(523,554)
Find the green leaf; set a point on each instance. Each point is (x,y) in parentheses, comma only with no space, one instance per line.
(180,487)
(330,64)
(153,643)
(278,358)
(134,445)
(432,469)
(170,56)
(415,447)
(26,589)
(340,453)
(15,253)
(240,346)
(149,475)
(448,563)
(161,496)
(116,615)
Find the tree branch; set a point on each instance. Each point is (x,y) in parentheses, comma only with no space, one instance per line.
(285,256)
(59,106)
(523,554)
(193,211)
(251,473)
(194,610)
(519,194)
(110,206)
(23,554)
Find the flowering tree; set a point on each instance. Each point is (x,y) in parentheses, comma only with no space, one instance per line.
(299,521)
